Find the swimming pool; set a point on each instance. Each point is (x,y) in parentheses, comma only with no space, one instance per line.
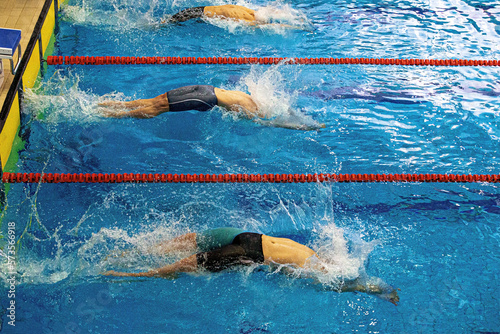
(437,242)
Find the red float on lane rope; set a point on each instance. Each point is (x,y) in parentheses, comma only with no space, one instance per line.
(241,178)
(113,60)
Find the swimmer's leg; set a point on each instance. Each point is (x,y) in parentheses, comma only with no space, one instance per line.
(215,260)
(183,243)
(186,265)
(126,104)
(144,108)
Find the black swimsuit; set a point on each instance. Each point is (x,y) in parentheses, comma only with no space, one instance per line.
(245,249)
(199,97)
(188,14)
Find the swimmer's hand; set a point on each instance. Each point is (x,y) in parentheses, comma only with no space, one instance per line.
(386,293)
(292,125)
(308,127)
(298,121)
(289,26)
(378,288)
(293,120)
(391,297)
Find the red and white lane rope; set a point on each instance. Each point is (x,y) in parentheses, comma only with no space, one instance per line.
(240,178)
(114,60)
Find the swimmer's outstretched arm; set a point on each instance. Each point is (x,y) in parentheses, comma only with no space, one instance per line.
(373,286)
(186,265)
(243,105)
(293,126)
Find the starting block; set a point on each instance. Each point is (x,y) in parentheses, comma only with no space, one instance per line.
(10,40)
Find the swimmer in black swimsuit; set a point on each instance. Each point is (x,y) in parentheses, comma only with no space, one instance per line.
(237,13)
(223,248)
(188,14)
(198,97)
(229,12)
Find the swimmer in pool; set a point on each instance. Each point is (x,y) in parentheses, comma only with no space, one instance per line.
(226,247)
(198,97)
(228,12)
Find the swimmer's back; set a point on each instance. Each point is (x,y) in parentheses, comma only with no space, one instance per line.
(285,251)
(230,12)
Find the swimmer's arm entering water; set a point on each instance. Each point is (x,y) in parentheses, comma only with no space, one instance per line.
(238,102)
(242,104)
(240,13)
(372,286)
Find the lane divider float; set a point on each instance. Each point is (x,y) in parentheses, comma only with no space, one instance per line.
(116,60)
(240,178)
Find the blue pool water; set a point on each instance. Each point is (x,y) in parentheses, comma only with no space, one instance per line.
(438,243)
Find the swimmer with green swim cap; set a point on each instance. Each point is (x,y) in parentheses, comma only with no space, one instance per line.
(222,248)
(197,97)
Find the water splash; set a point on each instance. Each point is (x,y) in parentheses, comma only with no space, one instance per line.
(276,101)
(283,14)
(82,252)
(275,18)
(342,259)
(114,15)
(60,100)
(76,258)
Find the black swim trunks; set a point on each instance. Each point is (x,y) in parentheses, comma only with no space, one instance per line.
(199,97)
(245,249)
(188,14)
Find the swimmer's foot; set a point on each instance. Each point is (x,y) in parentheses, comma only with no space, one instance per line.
(111,108)
(110,113)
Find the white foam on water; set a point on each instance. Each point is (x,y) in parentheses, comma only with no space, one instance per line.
(116,15)
(61,100)
(268,87)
